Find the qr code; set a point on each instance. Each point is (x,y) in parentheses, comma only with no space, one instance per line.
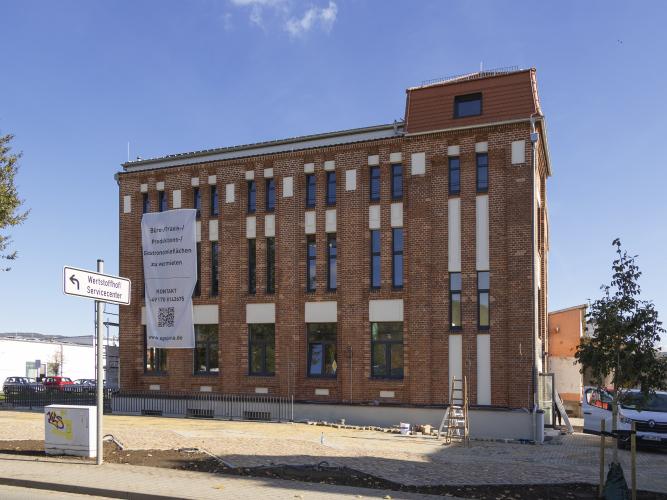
(165,317)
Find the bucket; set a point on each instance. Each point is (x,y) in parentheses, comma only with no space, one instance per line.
(405,428)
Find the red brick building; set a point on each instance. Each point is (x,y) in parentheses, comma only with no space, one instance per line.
(363,265)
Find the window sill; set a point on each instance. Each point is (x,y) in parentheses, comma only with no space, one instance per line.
(389,379)
(206,374)
(261,374)
(155,374)
(331,378)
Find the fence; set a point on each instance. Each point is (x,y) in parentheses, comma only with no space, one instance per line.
(204,405)
(158,403)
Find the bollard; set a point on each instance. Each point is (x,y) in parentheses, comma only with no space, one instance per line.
(601,488)
(633,453)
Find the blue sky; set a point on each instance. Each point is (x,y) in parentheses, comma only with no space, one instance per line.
(78,80)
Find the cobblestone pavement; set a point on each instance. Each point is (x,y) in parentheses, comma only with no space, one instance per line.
(404,459)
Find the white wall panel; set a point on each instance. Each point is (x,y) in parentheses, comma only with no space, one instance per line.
(330,221)
(374,217)
(351,180)
(329,165)
(229,193)
(270,225)
(309,168)
(373,160)
(205,314)
(194,182)
(160,186)
(249,175)
(260,313)
(418,164)
(212,179)
(143,188)
(198,231)
(288,187)
(310,222)
(453,151)
(395,157)
(385,310)
(481,147)
(268,173)
(213,230)
(176,199)
(484,369)
(482,232)
(321,312)
(455,359)
(397,215)
(454,235)
(250,227)
(127,204)
(518,152)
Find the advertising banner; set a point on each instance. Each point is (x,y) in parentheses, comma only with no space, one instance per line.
(169,248)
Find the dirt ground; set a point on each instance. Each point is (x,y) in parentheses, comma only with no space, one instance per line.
(196,461)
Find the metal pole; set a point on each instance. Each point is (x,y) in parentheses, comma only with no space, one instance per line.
(100,372)
(601,488)
(633,451)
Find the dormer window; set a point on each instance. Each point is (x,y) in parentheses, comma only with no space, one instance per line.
(467,105)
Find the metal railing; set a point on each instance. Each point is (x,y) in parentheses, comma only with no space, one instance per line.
(204,405)
(158,403)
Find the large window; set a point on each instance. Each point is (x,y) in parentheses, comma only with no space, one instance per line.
(311,264)
(467,105)
(397,181)
(214,200)
(482,172)
(270,265)
(252,197)
(270,195)
(206,349)
(252,266)
(321,349)
(197,291)
(162,201)
(455,301)
(155,360)
(454,175)
(332,257)
(483,305)
(145,203)
(215,256)
(387,350)
(331,188)
(310,190)
(397,257)
(375,184)
(262,349)
(196,201)
(375,258)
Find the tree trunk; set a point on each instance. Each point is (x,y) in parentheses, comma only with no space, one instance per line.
(614,419)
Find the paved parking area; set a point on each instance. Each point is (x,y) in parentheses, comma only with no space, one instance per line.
(409,460)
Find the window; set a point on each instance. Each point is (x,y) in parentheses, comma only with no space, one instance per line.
(482,172)
(331,188)
(215,256)
(270,195)
(145,203)
(252,266)
(397,257)
(206,349)
(455,301)
(375,183)
(197,291)
(467,105)
(214,200)
(375,258)
(321,349)
(332,257)
(252,197)
(310,190)
(483,309)
(262,349)
(397,181)
(311,256)
(454,175)
(196,201)
(162,201)
(155,360)
(270,265)
(387,350)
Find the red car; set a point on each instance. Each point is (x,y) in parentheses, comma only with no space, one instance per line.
(57,382)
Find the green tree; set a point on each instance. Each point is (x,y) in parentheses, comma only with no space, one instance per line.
(626,333)
(10,203)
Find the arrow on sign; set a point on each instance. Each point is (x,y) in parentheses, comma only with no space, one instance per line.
(74,281)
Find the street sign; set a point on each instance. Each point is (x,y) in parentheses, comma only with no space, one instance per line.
(96,286)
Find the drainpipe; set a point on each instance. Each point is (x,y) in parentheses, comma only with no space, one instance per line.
(534,136)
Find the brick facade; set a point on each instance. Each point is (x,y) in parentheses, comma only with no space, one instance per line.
(425,292)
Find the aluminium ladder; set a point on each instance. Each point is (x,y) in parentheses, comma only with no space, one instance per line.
(455,420)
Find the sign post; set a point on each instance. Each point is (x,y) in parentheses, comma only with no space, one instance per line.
(102,288)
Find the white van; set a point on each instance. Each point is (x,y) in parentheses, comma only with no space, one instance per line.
(650,415)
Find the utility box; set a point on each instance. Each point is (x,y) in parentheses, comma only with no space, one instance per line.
(70,430)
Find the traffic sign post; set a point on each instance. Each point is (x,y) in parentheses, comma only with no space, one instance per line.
(101,288)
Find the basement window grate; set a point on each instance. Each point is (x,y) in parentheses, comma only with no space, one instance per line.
(199,413)
(152,413)
(257,415)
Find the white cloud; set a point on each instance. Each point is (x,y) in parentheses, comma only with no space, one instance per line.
(261,11)
(325,17)
(227,21)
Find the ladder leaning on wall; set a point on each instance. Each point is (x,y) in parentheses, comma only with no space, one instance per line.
(455,420)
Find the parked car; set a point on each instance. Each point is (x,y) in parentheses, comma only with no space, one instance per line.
(85,382)
(20,384)
(57,382)
(82,385)
(649,415)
